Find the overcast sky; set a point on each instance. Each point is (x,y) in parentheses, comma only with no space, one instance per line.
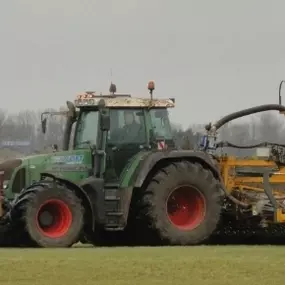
(213,56)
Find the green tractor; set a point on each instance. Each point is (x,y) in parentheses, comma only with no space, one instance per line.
(123,179)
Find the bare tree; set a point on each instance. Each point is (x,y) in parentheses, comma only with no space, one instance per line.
(25,126)
(270,128)
(3,118)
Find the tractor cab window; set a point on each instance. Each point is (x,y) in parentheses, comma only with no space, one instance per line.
(161,123)
(86,129)
(127,126)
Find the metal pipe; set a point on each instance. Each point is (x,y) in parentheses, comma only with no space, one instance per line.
(67,133)
(1,193)
(280,86)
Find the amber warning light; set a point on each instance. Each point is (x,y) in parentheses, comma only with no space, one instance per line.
(151,85)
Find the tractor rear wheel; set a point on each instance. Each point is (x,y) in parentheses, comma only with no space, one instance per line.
(182,203)
(51,214)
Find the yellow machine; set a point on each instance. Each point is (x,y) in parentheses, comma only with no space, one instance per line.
(254,187)
(255,184)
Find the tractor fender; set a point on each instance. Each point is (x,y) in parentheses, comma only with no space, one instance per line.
(154,158)
(87,194)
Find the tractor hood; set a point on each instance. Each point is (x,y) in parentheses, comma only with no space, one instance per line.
(73,165)
(58,163)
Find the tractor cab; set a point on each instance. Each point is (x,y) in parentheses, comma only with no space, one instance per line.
(135,125)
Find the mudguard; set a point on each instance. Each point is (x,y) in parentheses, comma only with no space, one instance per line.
(156,157)
(91,192)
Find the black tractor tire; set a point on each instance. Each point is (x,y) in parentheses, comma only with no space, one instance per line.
(9,234)
(51,214)
(181,205)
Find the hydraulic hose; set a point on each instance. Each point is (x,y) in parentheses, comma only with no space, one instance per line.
(262,144)
(238,202)
(230,196)
(249,111)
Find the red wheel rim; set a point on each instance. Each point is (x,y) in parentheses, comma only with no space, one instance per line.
(60,218)
(186,207)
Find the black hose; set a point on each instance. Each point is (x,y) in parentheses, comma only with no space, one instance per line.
(238,202)
(230,196)
(249,111)
(262,144)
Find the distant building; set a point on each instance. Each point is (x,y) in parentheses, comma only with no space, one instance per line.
(19,146)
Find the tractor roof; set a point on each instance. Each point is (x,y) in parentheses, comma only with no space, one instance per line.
(121,100)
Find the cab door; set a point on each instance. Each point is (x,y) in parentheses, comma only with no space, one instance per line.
(118,153)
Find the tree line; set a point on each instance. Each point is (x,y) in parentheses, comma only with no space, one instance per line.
(266,127)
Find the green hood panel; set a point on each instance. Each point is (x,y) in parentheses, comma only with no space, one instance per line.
(73,165)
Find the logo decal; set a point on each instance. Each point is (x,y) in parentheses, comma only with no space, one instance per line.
(68,159)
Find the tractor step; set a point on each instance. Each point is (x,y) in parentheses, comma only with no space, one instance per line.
(113,209)
(115,214)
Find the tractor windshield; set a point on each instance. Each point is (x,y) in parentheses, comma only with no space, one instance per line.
(87,129)
(161,123)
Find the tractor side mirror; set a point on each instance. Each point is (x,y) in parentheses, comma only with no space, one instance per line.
(54,147)
(44,125)
(105,121)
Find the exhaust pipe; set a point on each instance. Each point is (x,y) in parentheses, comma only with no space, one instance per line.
(1,193)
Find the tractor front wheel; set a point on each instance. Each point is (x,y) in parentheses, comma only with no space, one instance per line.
(182,204)
(51,214)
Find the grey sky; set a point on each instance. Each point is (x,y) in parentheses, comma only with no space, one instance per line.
(213,56)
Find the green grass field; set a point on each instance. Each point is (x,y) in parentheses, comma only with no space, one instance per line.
(231,265)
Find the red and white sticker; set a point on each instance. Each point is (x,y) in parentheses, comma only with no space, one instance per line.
(161,145)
